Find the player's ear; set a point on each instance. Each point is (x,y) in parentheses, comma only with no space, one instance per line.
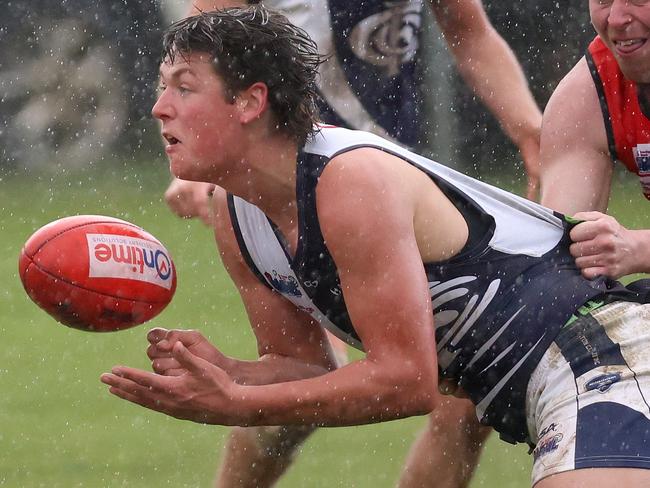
(252,102)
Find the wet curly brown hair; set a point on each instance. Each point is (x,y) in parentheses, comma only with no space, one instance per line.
(254,44)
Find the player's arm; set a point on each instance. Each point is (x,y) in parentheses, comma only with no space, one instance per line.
(490,68)
(576,175)
(576,167)
(387,295)
(290,344)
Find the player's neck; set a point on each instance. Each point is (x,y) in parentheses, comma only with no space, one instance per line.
(265,174)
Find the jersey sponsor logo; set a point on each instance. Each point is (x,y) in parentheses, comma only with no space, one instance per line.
(603,382)
(642,157)
(591,349)
(115,256)
(553,427)
(389,38)
(285,284)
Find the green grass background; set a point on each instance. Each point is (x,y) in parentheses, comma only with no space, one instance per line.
(60,428)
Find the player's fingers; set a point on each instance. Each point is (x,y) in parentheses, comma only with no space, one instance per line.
(188,360)
(124,375)
(593,272)
(588,260)
(157,334)
(164,365)
(125,395)
(180,207)
(583,249)
(123,384)
(145,400)
(154,351)
(584,231)
(176,371)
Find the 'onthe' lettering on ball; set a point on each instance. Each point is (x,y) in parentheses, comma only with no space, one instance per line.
(114,256)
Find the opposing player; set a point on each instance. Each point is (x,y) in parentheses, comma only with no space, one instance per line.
(579,148)
(426,269)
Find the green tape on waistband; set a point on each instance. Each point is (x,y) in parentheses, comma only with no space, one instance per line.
(585,309)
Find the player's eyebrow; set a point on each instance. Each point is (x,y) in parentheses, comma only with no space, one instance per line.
(176,73)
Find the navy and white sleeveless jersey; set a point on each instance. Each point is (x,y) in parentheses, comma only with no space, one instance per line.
(369,80)
(497,305)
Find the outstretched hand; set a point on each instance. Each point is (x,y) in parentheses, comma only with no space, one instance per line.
(602,246)
(202,393)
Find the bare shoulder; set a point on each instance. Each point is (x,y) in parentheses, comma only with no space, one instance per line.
(361,185)
(575,163)
(574,102)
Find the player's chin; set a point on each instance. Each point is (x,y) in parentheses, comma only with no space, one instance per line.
(180,167)
(187,169)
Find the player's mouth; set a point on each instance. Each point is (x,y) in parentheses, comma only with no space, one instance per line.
(171,142)
(628,46)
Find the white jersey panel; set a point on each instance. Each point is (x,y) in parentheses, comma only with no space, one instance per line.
(269,257)
(531,229)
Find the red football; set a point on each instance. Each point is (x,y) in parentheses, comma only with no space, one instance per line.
(97,273)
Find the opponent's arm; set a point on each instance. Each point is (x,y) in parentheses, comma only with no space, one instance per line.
(386,292)
(490,68)
(576,178)
(575,161)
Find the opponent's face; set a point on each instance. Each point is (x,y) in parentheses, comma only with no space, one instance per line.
(199,123)
(624,26)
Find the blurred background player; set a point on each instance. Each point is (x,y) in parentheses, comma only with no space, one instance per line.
(371,82)
(579,149)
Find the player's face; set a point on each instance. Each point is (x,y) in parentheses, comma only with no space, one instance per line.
(624,26)
(198,121)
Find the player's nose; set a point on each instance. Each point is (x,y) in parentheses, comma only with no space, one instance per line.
(162,109)
(620,14)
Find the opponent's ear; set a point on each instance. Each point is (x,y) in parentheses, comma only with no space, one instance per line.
(252,102)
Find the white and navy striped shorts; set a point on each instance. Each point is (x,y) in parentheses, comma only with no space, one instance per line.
(588,400)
